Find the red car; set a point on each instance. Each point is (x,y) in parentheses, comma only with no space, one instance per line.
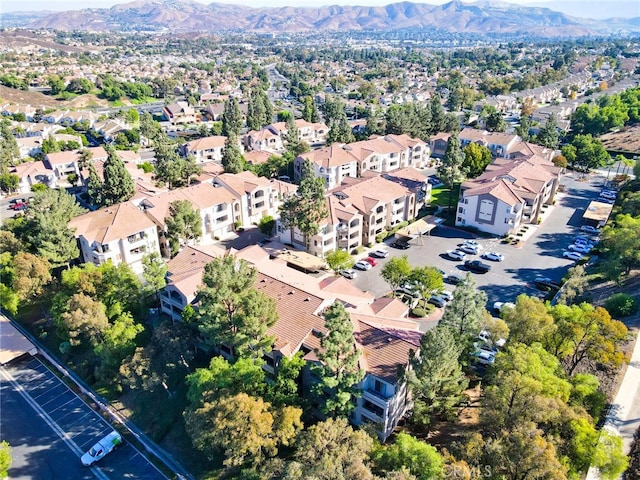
(372,261)
(18,206)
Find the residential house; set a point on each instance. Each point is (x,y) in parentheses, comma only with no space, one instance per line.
(207,149)
(179,112)
(62,163)
(29,146)
(72,117)
(312,134)
(110,128)
(31,173)
(118,234)
(264,139)
(257,157)
(510,192)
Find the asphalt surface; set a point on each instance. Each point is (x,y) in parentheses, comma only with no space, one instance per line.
(540,254)
(49,428)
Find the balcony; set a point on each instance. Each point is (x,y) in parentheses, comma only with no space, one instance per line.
(136,238)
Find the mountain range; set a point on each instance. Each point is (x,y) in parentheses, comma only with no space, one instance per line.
(453,17)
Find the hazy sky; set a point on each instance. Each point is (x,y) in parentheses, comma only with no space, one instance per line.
(592,9)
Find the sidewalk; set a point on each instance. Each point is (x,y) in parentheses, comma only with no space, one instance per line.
(623,418)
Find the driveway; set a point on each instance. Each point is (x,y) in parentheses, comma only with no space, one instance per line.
(540,254)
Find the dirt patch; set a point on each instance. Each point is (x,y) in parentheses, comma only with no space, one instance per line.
(87,101)
(443,433)
(35,99)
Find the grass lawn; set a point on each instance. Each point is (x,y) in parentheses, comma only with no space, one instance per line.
(440,196)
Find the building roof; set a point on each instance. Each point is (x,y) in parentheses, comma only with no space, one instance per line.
(111,223)
(367,194)
(243,182)
(257,157)
(206,143)
(331,156)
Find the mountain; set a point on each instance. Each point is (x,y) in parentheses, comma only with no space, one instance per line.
(188,16)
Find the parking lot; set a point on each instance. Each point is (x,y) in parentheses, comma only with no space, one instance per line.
(58,428)
(540,254)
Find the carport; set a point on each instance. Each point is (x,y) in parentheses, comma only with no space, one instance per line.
(597,214)
(13,344)
(418,228)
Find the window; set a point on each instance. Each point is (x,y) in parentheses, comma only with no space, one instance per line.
(372,407)
(378,387)
(379,209)
(220,207)
(259,193)
(460,210)
(486,210)
(259,205)
(459,219)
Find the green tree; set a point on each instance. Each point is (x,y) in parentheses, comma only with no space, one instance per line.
(495,122)
(600,449)
(149,128)
(170,167)
(465,312)
(331,450)
(31,274)
(310,110)
(9,151)
(45,229)
(340,131)
(420,458)
(232,312)
(5,458)
(56,84)
(621,246)
(396,271)
(339,260)
(437,114)
(266,225)
(529,321)
(585,153)
(8,299)
(292,137)
(548,135)
(94,186)
(307,207)
(285,389)
(9,182)
(245,428)
(476,159)
(436,379)
(339,370)
(184,224)
(426,279)
(231,118)
(118,185)
(154,273)
(50,145)
(117,343)
(451,171)
(83,317)
(524,127)
(232,160)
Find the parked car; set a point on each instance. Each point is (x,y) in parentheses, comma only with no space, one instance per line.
(485,337)
(589,229)
(581,239)
(349,273)
(484,357)
(437,301)
(499,306)
(493,256)
(579,247)
(472,243)
(13,201)
(608,194)
(455,255)
(379,254)
(477,266)
(362,265)
(453,279)
(572,255)
(469,249)
(407,291)
(545,283)
(446,294)
(18,206)
(371,261)
(402,245)
(434,181)
(101,449)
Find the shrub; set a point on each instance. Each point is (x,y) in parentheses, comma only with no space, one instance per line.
(621,305)
(419,312)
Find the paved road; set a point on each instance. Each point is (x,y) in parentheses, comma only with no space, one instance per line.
(540,255)
(49,427)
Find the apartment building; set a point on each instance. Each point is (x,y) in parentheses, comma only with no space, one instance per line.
(118,234)
(331,163)
(207,149)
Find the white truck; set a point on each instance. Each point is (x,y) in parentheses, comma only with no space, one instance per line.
(101,449)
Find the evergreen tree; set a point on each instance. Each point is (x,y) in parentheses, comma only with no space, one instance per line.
(183,224)
(50,145)
(232,160)
(267,108)
(340,371)
(118,185)
(523,129)
(232,311)
(464,314)
(292,138)
(231,118)
(437,114)
(436,379)
(94,186)
(451,171)
(375,124)
(310,110)
(548,135)
(307,207)
(149,128)
(340,131)
(9,151)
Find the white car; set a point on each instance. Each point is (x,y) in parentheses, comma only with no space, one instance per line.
(446,294)
(472,243)
(573,255)
(493,256)
(500,306)
(589,229)
(379,254)
(101,449)
(484,357)
(349,273)
(362,265)
(456,255)
(469,249)
(579,247)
